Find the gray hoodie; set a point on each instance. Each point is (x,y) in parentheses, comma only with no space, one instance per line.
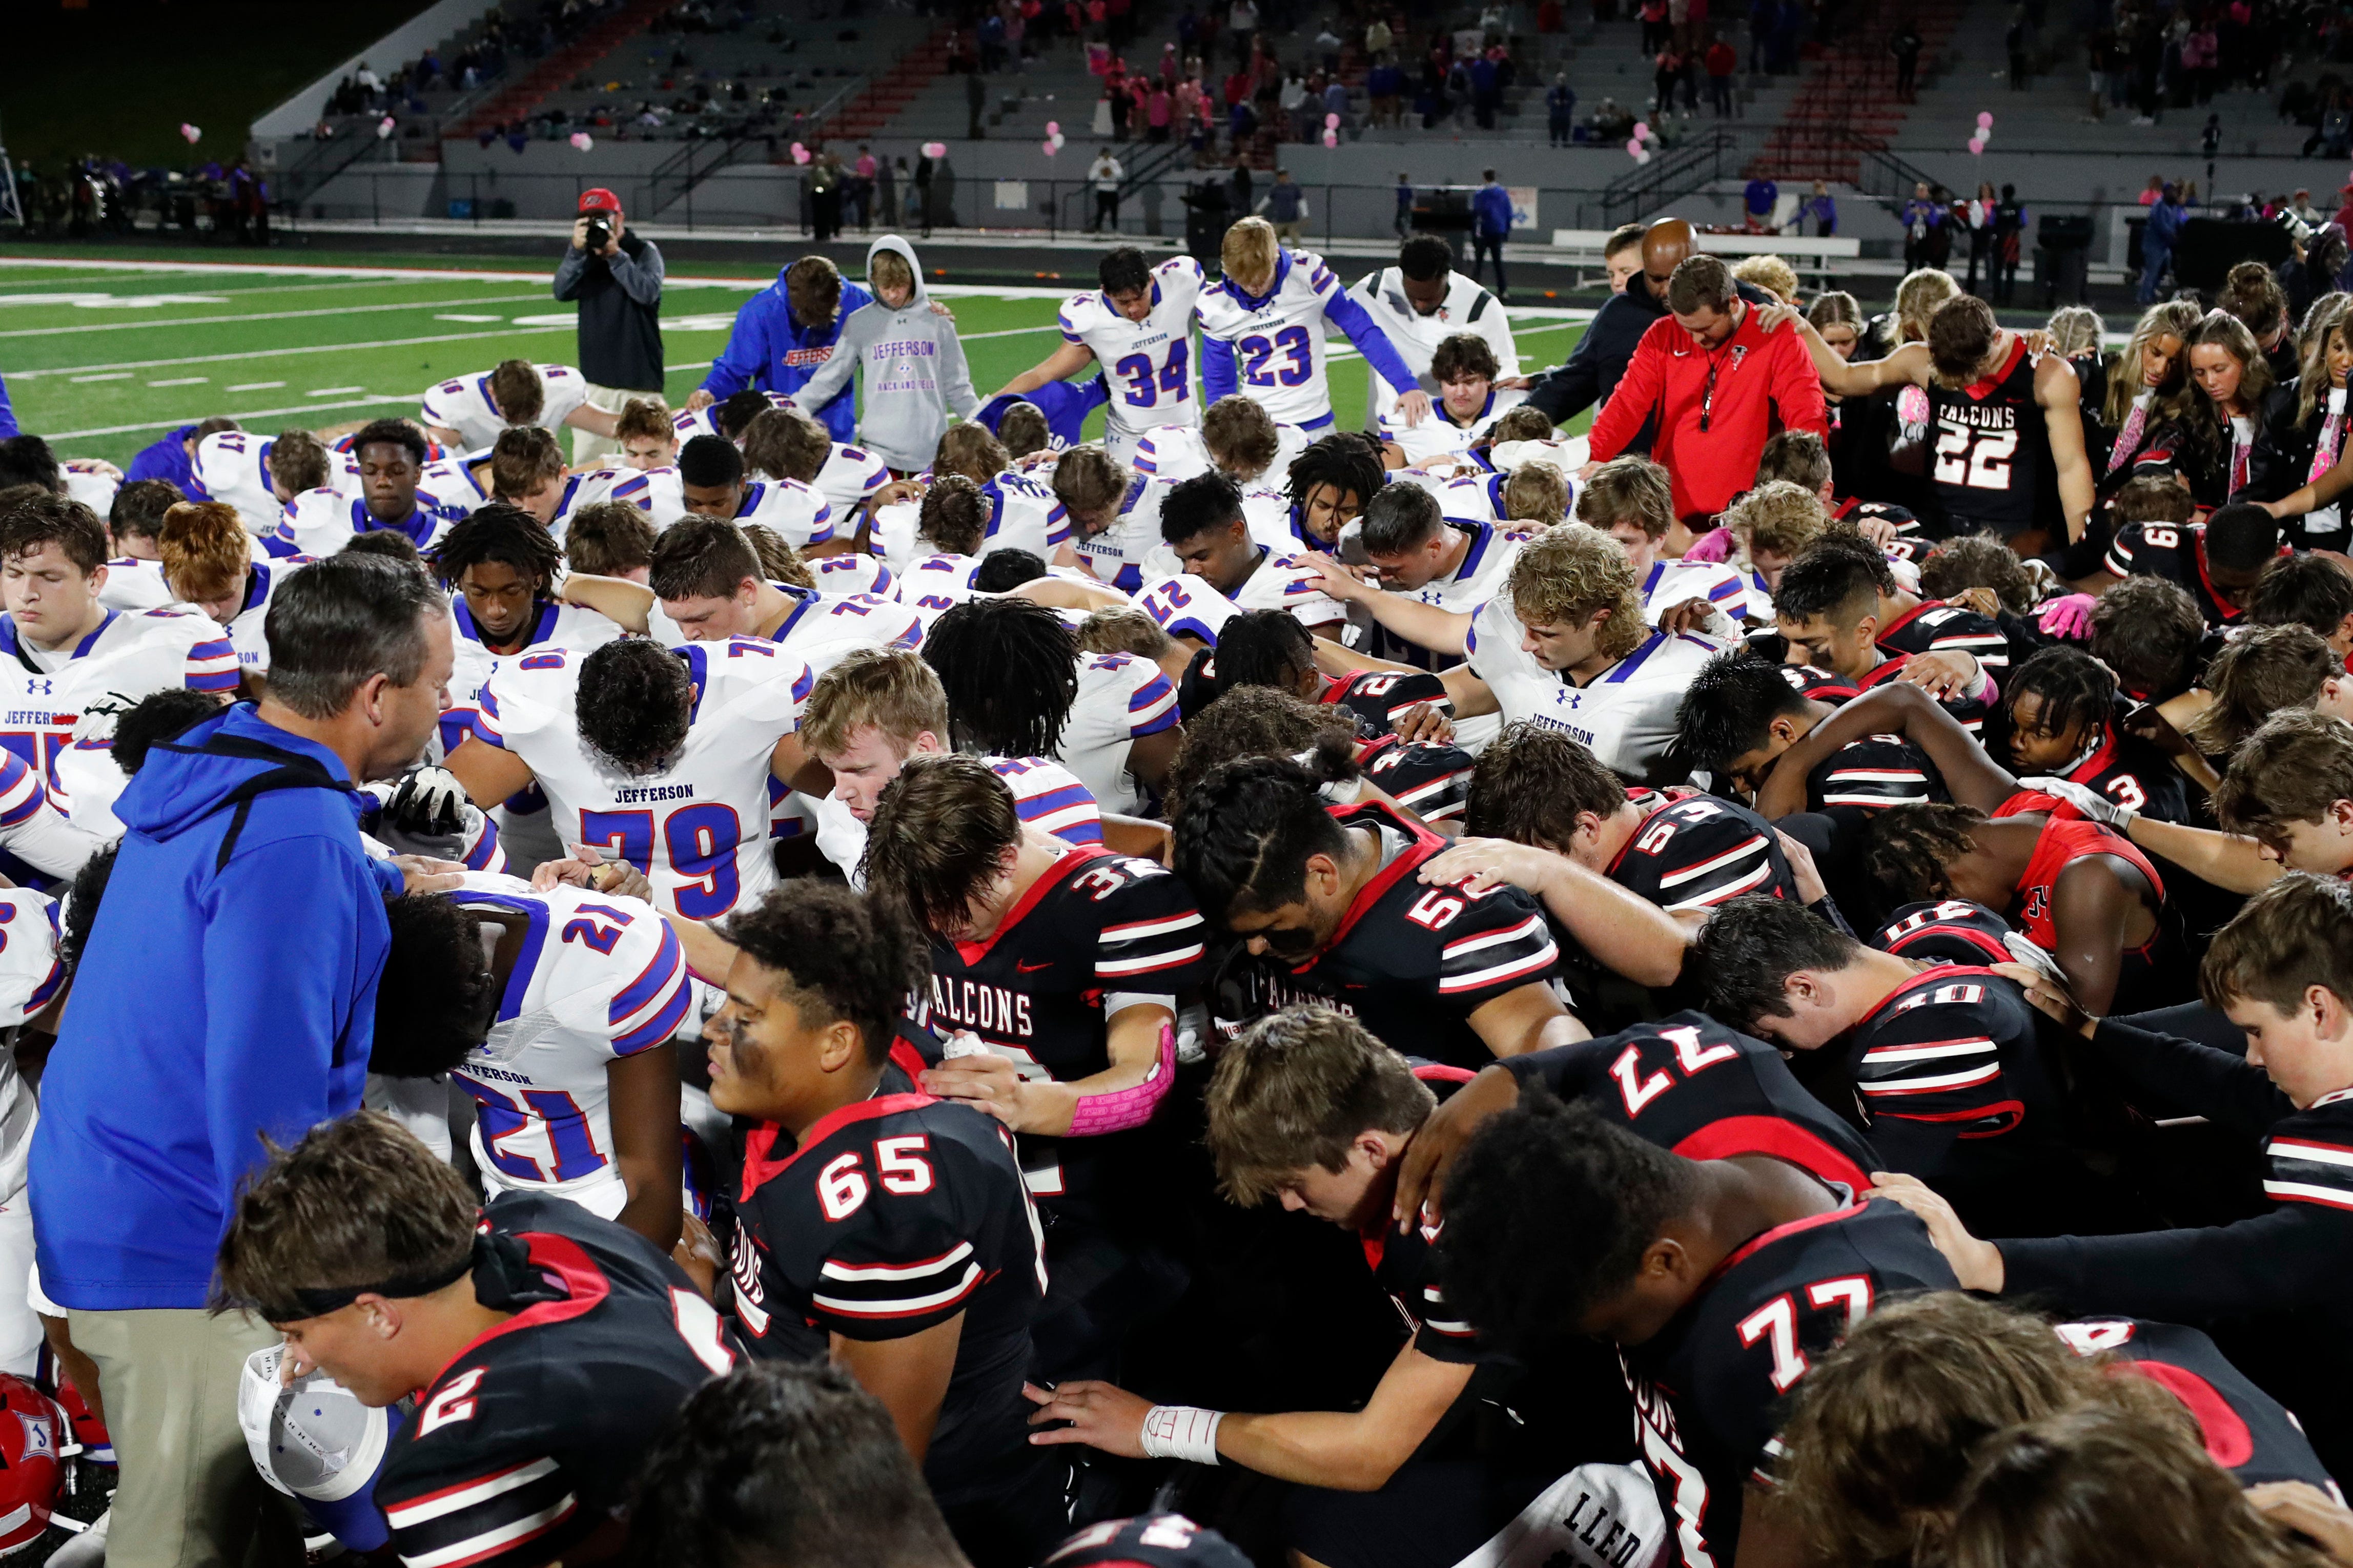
(912,366)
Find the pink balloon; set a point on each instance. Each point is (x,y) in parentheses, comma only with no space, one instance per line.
(1633,146)
(935,149)
(800,155)
(1331,137)
(1050,147)
(1331,122)
(1985,117)
(191,133)
(797,150)
(1641,131)
(1977,147)
(1053,128)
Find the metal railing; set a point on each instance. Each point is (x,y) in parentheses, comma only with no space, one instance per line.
(1674,172)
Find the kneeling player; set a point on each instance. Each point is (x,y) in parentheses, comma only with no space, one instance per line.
(878,1225)
(1308,1109)
(545,1344)
(1717,1278)
(1331,892)
(1226,571)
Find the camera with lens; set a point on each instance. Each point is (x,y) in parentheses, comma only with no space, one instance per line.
(599,234)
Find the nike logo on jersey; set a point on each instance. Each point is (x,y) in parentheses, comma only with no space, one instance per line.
(1032,968)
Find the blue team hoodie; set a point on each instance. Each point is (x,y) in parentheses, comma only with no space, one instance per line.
(228,989)
(767,349)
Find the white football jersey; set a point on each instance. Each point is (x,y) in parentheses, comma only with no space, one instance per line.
(891,535)
(557,625)
(129,657)
(134,585)
(35,831)
(464,404)
(794,509)
(838,576)
(1023,514)
(599,978)
(1467,308)
(233,467)
(1177,452)
(1121,699)
(451,483)
(1670,583)
(821,631)
(706,421)
(1278,342)
(1480,576)
(1045,794)
(1624,716)
(699,827)
(31,970)
(322,522)
(1147,364)
(1119,554)
(851,474)
(1191,606)
(94,490)
(1438,434)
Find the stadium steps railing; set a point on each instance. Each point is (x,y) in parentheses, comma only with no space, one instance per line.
(525,93)
(1668,176)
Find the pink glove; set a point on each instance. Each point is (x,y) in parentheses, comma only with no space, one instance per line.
(1716,544)
(2068,616)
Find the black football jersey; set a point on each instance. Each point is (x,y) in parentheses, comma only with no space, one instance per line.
(532,1435)
(1414,962)
(2177,552)
(1931,628)
(1380,697)
(2129,769)
(1147,1540)
(1911,536)
(2246,1431)
(1946,931)
(1097,923)
(1711,1389)
(1697,852)
(1992,462)
(1428,779)
(1956,1086)
(892,1217)
(1819,684)
(1872,773)
(1699,1089)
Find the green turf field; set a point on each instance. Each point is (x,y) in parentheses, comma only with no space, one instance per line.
(102,361)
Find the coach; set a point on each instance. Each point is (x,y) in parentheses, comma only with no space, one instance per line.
(617,276)
(227,993)
(1712,380)
(783,336)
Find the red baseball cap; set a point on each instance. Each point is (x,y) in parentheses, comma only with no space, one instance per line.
(599,200)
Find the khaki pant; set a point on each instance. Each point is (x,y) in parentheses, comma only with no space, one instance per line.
(587,446)
(190,1497)
(1290,233)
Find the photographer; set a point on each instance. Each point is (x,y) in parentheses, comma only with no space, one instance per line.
(617,277)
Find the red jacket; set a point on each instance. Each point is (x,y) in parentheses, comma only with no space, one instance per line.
(1764,382)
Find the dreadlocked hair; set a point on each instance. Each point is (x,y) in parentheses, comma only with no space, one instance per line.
(1262,722)
(2076,689)
(501,533)
(1912,845)
(1262,648)
(1345,460)
(1246,831)
(1010,669)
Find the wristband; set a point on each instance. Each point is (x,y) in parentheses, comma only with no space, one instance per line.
(1181,1432)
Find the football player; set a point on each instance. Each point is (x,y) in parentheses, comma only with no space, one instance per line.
(662,757)
(1331,893)
(1466,368)
(790,1465)
(1237,436)
(1263,328)
(1827,606)
(787,443)
(1055,971)
(1742,713)
(1329,485)
(881,706)
(1268,647)
(707,580)
(554,1010)
(207,561)
(1716,1277)
(1022,512)
(68,653)
(877,1226)
(1227,571)
(1114,512)
(391,457)
(1421,302)
(1434,571)
(259,477)
(1948,1069)
(2064,709)
(1309,1110)
(1631,499)
(1139,328)
(2219,560)
(523,467)
(710,480)
(471,411)
(1426,779)
(501,567)
(1018,686)
(951,521)
(543,1345)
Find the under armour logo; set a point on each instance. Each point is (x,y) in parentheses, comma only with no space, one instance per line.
(39,687)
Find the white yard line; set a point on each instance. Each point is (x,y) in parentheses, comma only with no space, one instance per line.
(248,414)
(280,353)
(260,316)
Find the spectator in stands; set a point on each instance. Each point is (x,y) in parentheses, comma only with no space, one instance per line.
(616,278)
(1561,110)
(2166,221)
(1722,60)
(1285,207)
(1104,176)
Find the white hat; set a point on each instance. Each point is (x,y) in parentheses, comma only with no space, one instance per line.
(310,1439)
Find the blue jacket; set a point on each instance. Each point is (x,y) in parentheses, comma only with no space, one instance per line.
(1492,205)
(769,349)
(165,459)
(2166,222)
(228,991)
(1065,404)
